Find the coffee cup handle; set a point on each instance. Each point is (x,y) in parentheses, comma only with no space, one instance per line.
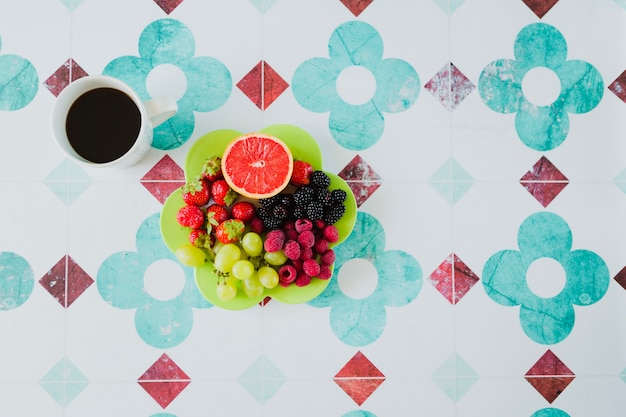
(160,109)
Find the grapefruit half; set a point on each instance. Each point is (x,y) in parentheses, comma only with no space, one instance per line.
(257,165)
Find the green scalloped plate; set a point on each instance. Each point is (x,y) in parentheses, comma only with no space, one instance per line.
(302,146)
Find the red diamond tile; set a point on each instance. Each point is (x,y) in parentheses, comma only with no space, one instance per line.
(544,181)
(618,87)
(361,179)
(356,6)
(359,378)
(168,5)
(620,278)
(549,376)
(540,7)
(66,281)
(453,279)
(163,178)
(63,76)
(262,85)
(450,86)
(164,380)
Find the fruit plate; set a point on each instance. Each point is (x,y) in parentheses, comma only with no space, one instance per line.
(302,146)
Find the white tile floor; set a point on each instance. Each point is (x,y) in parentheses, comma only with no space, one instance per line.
(87,356)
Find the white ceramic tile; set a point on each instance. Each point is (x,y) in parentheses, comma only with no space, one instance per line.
(23,400)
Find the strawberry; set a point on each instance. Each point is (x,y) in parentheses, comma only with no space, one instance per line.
(243,210)
(196,192)
(190,216)
(198,237)
(301,174)
(212,168)
(229,231)
(216,214)
(222,193)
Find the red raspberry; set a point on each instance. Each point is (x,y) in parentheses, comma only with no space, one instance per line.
(303,224)
(291,248)
(306,253)
(328,257)
(321,245)
(274,240)
(325,272)
(306,239)
(331,233)
(303,280)
(291,234)
(256,225)
(319,224)
(311,267)
(287,274)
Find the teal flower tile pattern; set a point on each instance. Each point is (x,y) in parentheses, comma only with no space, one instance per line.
(359,322)
(16,280)
(541,128)
(359,413)
(19,82)
(546,320)
(120,282)
(550,412)
(209,83)
(356,126)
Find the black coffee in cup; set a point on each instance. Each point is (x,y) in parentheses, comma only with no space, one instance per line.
(103,124)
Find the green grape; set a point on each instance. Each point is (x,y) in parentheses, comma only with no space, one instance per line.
(252,243)
(242,269)
(268,277)
(252,287)
(190,255)
(226,291)
(226,257)
(275,258)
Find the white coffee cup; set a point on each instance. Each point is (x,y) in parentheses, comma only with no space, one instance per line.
(100,121)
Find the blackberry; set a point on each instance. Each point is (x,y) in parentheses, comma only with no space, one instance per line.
(286,200)
(338,196)
(270,201)
(303,196)
(319,179)
(264,212)
(272,223)
(314,210)
(333,213)
(298,213)
(280,212)
(323,196)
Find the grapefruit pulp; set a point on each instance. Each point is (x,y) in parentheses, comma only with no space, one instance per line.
(257,165)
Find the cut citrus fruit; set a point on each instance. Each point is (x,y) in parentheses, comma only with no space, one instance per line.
(257,165)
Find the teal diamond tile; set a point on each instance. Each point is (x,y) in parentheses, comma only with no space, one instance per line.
(449,6)
(451,181)
(455,377)
(68,181)
(620,180)
(71,4)
(262,5)
(623,375)
(262,379)
(64,382)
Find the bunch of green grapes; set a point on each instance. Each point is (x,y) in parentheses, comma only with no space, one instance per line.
(240,263)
